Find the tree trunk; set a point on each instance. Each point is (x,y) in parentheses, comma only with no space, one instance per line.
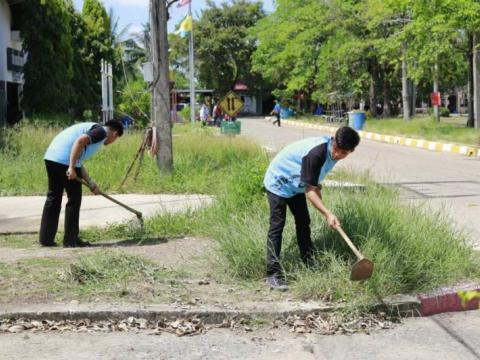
(387,111)
(459,100)
(405,97)
(372,100)
(373,87)
(161,89)
(471,118)
(476,82)
(412,92)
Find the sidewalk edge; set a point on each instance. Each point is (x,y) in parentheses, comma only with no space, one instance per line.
(437,146)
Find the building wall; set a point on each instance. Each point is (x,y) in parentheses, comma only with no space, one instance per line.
(11,82)
(4,39)
(7,40)
(252,105)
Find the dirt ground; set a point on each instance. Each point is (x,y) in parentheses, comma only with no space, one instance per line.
(163,251)
(203,284)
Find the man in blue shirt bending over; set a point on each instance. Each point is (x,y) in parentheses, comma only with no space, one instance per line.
(63,161)
(293,176)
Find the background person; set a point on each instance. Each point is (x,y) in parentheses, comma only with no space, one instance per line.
(276,113)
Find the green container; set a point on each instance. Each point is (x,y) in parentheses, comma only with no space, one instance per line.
(230,127)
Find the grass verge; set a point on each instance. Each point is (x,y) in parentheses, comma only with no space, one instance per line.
(201,160)
(413,249)
(451,130)
(448,130)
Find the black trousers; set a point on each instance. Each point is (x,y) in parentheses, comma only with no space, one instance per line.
(278,214)
(278,119)
(57,183)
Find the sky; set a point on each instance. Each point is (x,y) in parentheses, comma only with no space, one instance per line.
(134,13)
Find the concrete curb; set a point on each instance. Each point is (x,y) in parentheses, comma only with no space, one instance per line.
(405,306)
(448,300)
(210,315)
(398,140)
(440,301)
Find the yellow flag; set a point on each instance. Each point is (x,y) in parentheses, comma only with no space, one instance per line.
(185,26)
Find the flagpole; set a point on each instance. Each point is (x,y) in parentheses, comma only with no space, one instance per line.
(192,72)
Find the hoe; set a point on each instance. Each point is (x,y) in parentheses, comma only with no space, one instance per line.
(363,268)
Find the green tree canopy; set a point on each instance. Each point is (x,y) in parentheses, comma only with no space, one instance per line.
(48,71)
(98,46)
(223,45)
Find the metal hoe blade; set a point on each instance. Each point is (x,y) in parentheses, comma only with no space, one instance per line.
(361,270)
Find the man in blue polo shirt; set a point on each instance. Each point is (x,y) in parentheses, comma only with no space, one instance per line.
(276,112)
(64,163)
(293,176)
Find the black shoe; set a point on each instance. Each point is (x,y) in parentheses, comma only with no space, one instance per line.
(49,245)
(81,243)
(276,283)
(77,243)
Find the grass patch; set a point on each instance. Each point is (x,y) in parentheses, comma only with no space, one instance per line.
(447,130)
(22,241)
(201,160)
(101,276)
(413,249)
(452,130)
(31,280)
(115,274)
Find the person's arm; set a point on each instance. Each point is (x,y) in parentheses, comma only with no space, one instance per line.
(77,148)
(95,134)
(314,195)
(311,168)
(93,186)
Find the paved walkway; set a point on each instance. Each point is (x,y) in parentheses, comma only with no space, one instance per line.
(22,214)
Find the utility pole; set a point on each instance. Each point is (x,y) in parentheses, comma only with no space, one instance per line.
(192,70)
(107,91)
(476,81)
(161,86)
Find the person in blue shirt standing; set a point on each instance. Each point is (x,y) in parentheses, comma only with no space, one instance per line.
(276,113)
(64,163)
(294,175)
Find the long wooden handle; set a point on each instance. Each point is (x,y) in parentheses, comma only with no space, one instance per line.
(138,213)
(350,244)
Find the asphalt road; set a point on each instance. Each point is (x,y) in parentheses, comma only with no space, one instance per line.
(444,181)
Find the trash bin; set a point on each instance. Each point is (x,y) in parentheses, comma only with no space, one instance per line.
(230,127)
(356,119)
(284,113)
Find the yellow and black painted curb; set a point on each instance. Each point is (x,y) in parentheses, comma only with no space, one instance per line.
(467,150)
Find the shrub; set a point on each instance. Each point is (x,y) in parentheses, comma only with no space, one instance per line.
(444,112)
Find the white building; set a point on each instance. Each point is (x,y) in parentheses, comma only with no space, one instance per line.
(12,60)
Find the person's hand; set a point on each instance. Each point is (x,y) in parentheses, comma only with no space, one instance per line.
(94,187)
(71,173)
(332,220)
